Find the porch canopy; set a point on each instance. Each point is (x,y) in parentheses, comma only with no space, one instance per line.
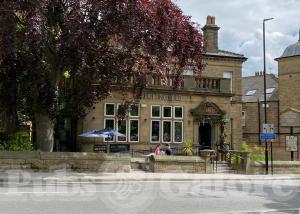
(207,111)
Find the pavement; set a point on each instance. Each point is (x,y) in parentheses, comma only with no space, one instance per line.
(64,176)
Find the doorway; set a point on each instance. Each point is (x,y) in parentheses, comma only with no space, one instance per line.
(205,136)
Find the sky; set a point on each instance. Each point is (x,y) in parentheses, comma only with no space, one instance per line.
(241,27)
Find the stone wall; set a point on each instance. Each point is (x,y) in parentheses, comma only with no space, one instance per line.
(49,161)
(179,164)
(279,167)
(252,111)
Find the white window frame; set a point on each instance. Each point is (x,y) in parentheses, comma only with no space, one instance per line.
(182,124)
(126,134)
(188,71)
(163,112)
(159,135)
(139,107)
(160,111)
(162,131)
(104,125)
(105,110)
(229,75)
(129,130)
(174,115)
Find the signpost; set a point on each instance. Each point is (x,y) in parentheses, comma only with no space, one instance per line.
(268,134)
(291,144)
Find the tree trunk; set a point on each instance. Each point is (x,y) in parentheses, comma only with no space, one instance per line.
(8,121)
(44,130)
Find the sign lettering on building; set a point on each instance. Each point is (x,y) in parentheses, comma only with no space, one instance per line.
(158,96)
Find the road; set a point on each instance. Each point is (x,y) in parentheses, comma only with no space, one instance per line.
(167,197)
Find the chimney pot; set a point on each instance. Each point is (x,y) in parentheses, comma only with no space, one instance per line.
(213,20)
(208,20)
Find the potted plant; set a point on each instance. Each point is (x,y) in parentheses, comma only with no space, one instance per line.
(188,147)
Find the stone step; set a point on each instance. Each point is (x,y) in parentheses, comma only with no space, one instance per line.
(225,171)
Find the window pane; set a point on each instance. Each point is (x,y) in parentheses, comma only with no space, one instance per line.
(270,90)
(109,123)
(167,111)
(251,93)
(122,129)
(167,131)
(155,131)
(178,132)
(155,111)
(110,109)
(134,130)
(134,110)
(178,112)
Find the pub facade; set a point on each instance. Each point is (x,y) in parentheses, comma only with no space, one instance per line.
(192,112)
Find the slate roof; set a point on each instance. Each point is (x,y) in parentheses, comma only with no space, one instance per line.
(257,83)
(292,50)
(222,53)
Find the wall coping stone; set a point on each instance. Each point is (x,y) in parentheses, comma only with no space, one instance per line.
(277,163)
(182,159)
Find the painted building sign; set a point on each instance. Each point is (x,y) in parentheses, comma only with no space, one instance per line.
(159,96)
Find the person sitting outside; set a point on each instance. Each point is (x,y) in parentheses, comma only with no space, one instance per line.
(169,150)
(157,150)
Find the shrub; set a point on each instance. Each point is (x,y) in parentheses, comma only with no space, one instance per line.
(19,141)
(256,154)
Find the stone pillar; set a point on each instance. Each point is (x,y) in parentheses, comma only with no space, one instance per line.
(206,155)
(245,162)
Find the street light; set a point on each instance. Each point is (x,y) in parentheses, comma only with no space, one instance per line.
(265,94)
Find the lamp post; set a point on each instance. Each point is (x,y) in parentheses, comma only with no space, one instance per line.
(265,94)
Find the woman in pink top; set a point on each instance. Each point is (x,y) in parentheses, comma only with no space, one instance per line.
(157,150)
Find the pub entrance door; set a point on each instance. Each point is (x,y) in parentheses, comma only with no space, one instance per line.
(205,130)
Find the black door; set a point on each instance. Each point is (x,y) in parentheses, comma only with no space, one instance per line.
(205,136)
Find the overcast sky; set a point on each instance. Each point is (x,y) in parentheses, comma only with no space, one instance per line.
(241,27)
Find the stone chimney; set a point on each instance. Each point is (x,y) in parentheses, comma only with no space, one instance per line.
(210,31)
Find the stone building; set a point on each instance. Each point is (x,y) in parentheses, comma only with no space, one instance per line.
(283,103)
(289,91)
(192,112)
(253,115)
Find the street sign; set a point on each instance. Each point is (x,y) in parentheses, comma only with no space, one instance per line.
(267,136)
(291,143)
(268,128)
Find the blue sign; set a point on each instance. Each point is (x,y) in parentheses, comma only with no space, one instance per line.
(267,136)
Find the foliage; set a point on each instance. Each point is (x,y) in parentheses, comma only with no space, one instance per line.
(256,153)
(20,141)
(99,43)
(245,148)
(188,147)
(235,159)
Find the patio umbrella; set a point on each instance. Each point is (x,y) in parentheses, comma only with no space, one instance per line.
(110,132)
(93,134)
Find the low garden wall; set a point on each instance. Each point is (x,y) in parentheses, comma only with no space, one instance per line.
(279,167)
(49,161)
(179,164)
